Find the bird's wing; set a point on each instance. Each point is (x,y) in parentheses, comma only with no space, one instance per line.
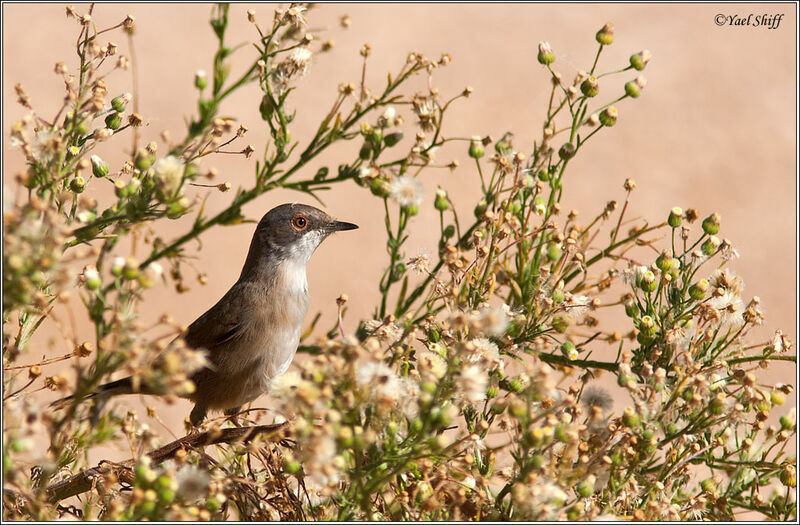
(220,324)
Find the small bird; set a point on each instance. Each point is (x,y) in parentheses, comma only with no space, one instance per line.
(251,334)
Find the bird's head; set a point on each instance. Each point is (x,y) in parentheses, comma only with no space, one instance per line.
(293,231)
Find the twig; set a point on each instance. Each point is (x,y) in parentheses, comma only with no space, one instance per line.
(87,479)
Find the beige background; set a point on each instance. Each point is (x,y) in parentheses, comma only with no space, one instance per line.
(714,128)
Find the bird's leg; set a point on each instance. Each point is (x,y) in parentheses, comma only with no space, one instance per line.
(198,415)
(232,414)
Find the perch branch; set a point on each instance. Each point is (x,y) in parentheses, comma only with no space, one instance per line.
(95,476)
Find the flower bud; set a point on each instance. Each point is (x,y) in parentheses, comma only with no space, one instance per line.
(480,209)
(411,210)
(366,151)
(632,89)
(553,252)
(648,282)
(440,202)
(567,151)
(113,121)
(788,476)
(590,87)
(606,35)
(586,487)
(546,55)
(667,264)
(608,117)
(640,59)
(99,168)
(120,188)
(392,138)
(675,217)
(630,418)
(143,160)
(717,405)
(697,291)
(560,323)
(711,224)
(711,246)
(118,104)
(631,310)
(117,265)
(543,175)
(788,421)
(200,80)
(131,269)
(708,485)
(476,148)
(92,278)
(647,325)
(78,184)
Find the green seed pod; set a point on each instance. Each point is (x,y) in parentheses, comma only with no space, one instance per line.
(560,323)
(449,231)
(606,35)
(118,104)
(543,175)
(697,291)
(553,252)
(366,151)
(567,347)
(416,425)
(675,217)
(608,117)
(567,151)
(590,87)
(113,121)
(558,296)
(292,467)
(393,138)
(711,224)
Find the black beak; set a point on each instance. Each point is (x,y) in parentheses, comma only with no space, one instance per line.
(337,226)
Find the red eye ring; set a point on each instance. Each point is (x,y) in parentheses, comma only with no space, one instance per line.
(299,222)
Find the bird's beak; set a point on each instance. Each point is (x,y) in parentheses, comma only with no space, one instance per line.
(337,226)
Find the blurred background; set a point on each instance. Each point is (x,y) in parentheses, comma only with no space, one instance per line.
(715,127)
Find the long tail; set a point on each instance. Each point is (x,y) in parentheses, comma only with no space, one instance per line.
(115,388)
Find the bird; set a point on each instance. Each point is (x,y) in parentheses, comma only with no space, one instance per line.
(251,334)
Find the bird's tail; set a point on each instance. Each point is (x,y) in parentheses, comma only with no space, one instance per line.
(115,388)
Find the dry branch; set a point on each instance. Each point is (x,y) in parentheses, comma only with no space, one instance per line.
(96,476)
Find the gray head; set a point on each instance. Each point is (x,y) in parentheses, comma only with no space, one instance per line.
(291,232)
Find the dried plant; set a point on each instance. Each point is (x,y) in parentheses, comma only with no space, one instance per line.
(470,395)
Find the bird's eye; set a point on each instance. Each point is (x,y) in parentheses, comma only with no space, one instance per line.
(299,222)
